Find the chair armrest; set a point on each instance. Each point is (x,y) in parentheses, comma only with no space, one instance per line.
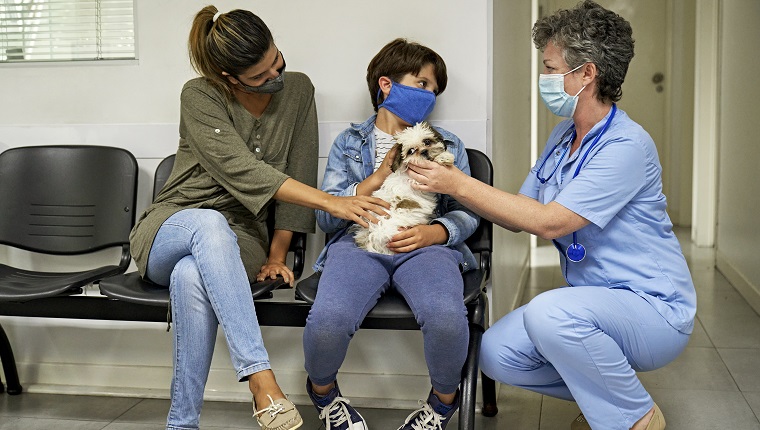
(485,263)
(298,247)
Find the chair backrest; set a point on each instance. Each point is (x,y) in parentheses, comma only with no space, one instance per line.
(481,169)
(163,171)
(67,199)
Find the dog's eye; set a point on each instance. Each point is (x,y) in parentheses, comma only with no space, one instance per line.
(428,142)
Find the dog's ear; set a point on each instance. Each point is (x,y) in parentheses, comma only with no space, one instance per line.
(397,159)
(438,136)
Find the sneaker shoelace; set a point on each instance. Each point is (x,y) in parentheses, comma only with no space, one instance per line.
(425,418)
(273,409)
(335,413)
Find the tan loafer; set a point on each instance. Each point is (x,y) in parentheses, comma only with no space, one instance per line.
(580,423)
(658,420)
(656,423)
(281,414)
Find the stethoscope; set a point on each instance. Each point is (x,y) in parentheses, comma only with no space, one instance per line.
(575,252)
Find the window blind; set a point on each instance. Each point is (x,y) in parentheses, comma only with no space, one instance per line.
(66,30)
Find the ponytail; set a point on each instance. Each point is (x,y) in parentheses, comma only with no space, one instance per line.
(232,43)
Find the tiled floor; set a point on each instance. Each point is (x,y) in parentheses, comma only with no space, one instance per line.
(713,385)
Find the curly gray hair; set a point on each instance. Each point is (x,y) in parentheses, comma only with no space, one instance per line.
(589,33)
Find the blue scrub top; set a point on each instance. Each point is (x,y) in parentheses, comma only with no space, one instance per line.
(630,242)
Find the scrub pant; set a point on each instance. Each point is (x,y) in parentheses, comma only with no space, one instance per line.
(351,284)
(584,344)
(196,253)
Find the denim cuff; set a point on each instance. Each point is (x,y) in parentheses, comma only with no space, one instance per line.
(244,373)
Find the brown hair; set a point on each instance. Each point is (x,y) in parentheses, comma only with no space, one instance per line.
(400,57)
(233,43)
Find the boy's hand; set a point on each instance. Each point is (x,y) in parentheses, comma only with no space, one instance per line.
(418,237)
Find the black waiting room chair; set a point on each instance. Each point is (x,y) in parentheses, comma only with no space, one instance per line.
(392,312)
(62,200)
(130,287)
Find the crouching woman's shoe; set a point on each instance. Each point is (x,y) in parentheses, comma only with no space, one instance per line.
(281,414)
(658,420)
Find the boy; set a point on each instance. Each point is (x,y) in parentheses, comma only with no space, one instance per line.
(404,79)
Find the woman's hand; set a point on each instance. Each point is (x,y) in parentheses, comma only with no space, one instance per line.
(271,269)
(359,209)
(433,177)
(418,237)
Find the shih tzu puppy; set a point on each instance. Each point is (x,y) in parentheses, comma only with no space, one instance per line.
(409,207)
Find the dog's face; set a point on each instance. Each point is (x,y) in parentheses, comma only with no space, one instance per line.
(421,142)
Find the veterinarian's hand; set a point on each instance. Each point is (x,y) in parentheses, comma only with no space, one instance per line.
(418,237)
(270,270)
(359,209)
(434,177)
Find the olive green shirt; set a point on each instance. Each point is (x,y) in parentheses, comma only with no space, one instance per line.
(232,162)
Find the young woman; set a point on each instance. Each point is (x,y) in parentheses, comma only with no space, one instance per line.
(248,145)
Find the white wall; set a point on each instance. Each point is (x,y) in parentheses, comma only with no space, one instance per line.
(680,110)
(511,118)
(738,199)
(136,106)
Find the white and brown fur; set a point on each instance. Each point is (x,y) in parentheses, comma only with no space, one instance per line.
(409,207)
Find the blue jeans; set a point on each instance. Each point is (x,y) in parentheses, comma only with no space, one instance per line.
(351,284)
(584,344)
(196,253)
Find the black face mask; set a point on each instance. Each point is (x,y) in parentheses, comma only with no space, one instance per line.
(269,87)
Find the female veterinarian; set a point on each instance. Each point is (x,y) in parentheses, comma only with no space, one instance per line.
(248,135)
(404,79)
(596,191)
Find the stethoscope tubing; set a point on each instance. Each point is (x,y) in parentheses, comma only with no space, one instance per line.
(575,252)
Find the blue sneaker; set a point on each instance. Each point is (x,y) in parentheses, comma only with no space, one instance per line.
(432,415)
(334,410)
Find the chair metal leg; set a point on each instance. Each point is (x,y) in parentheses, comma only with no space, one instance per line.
(469,384)
(489,396)
(9,364)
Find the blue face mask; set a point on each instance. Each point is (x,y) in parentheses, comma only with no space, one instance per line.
(410,104)
(552,88)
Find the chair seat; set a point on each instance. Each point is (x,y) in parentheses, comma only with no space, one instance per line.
(131,287)
(392,304)
(19,285)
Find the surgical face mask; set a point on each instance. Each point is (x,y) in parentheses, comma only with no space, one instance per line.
(269,87)
(410,104)
(552,88)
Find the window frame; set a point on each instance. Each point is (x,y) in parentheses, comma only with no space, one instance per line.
(74,57)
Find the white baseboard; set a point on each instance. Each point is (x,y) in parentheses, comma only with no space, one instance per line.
(369,390)
(750,292)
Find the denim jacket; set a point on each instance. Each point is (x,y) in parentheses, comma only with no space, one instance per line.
(352,159)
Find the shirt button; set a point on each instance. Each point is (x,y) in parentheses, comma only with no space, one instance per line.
(217,131)
(258,150)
